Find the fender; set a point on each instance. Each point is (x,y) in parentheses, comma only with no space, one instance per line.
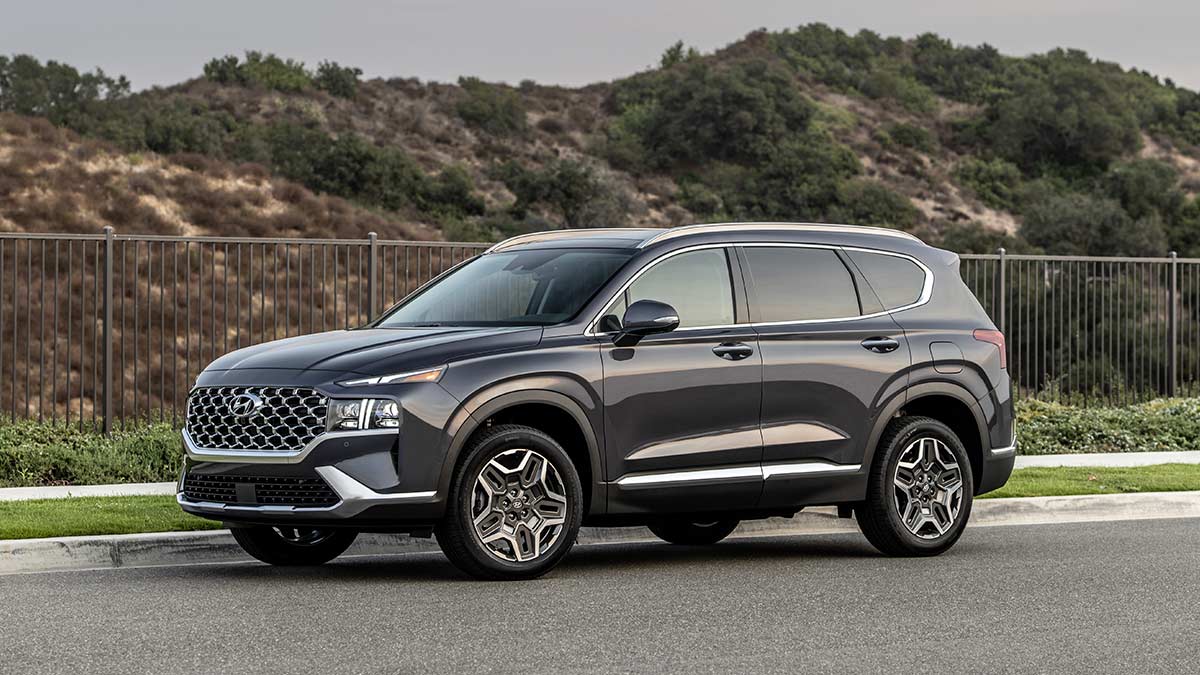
(479,407)
(917,391)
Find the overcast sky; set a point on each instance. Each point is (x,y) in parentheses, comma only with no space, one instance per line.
(560,41)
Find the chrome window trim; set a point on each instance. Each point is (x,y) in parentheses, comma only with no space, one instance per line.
(924,298)
(761,472)
(268,456)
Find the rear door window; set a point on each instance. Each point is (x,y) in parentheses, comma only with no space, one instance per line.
(800,284)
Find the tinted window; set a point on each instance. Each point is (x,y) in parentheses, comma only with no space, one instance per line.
(897,281)
(793,284)
(537,287)
(696,284)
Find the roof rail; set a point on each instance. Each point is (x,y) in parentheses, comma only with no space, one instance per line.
(550,235)
(807,227)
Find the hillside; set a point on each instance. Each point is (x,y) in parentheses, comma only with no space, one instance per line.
(962,145)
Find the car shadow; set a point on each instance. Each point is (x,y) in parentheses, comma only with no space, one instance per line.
(584,560)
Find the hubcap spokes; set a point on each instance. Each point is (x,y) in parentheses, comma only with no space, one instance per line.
(519,505)
(929,488)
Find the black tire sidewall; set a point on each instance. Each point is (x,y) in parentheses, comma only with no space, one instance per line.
(692,533)
(485,451)
(887,489)
(265,544)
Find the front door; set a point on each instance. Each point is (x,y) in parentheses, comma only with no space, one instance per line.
(829,361)
(681,409)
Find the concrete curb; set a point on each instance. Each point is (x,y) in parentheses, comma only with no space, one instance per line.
(64,491)
(192,548)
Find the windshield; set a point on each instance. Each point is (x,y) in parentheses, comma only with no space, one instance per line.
(521,288)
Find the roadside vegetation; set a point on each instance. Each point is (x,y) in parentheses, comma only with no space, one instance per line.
(33,453)
(1058,481)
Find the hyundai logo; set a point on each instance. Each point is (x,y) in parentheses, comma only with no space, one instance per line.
(245,405)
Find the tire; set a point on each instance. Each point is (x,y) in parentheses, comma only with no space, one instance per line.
(687,533)
(526,494)
(936,515)
(290,546)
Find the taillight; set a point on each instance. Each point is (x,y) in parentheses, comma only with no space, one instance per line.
(994,337)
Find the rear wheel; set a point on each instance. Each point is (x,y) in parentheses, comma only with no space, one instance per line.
(291,546)
(514,508)
(919,491)
(688,533)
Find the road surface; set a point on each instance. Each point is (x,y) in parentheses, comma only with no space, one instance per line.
(1085,597)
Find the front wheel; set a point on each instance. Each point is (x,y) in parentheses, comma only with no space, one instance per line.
(514,507)
(293,546)
(687,533)
(919,490)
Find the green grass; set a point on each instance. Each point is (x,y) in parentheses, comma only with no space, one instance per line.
(96,515)
(1055,481)
(124,515)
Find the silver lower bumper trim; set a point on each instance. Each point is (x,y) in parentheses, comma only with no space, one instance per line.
(355,498)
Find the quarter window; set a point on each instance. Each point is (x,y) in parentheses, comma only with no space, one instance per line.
(800,284)
(897,281)
(696,284)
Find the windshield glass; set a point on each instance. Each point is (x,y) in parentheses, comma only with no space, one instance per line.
(521,288)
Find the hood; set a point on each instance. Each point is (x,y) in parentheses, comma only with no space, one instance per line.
(378,351)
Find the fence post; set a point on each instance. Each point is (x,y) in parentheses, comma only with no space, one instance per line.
(1173,328)
(1002,292)
(372,269)
(106,367)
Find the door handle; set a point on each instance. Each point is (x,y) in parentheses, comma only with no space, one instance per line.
(880,345)
(733,351)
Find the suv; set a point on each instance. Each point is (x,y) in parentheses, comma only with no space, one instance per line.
(683,379)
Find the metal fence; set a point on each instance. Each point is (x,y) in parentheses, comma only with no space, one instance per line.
(109,329)
(105,330)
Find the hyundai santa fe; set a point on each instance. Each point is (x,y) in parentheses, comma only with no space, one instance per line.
(683,379)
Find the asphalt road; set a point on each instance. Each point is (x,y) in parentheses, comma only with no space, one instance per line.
(1096,597)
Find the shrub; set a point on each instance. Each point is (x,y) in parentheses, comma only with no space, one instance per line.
(1078,224)
(578,193)
(260,70)
(33,453)
(911,136)
(869,202)
(1051,428)
(994,182)
(337,80)
(491,108)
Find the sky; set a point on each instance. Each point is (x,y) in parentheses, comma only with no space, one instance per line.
(560,42)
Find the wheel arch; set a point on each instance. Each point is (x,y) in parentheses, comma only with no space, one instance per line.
(950,404)
(553,412)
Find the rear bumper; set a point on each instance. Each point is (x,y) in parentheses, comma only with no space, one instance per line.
(997,467)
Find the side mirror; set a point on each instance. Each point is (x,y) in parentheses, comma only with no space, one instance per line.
(646,317)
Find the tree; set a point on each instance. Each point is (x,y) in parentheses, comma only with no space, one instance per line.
(55,90)
(1078,224)
(337,80)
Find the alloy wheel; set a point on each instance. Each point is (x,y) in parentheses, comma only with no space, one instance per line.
(518,505)
(929,488)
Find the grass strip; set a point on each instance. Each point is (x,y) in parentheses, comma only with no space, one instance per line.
(74,516)
(1083,480)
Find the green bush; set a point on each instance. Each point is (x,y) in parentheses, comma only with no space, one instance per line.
(869,202)
(337,80)
(55,90)
(33,453)
(1050,428)
(260,70)
(573,190)
(911,136)
(1079,224)
(994,181)
(492,108)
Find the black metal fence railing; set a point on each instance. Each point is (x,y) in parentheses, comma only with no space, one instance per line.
(103,330)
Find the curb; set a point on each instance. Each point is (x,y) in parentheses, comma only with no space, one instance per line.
(194,548)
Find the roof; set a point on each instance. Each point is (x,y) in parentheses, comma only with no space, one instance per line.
(641,237)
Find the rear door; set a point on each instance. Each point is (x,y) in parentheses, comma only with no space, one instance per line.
(681,409)
(831,356)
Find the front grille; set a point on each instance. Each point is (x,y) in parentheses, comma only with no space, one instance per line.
(287,419)
(258,490)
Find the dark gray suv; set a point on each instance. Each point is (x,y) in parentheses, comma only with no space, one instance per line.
(682,379)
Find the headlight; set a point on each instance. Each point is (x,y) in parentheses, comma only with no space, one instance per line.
(366,413)
(430,375)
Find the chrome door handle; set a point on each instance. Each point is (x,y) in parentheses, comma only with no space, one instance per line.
(733,351)
(880,345)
